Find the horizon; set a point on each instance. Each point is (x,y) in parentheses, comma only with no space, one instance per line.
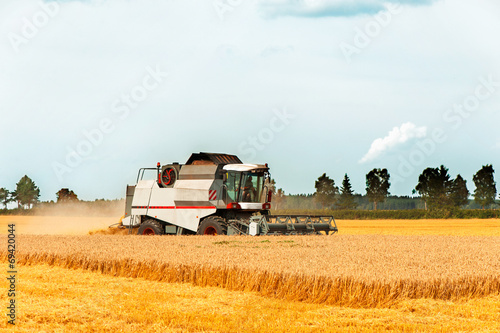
(355,193)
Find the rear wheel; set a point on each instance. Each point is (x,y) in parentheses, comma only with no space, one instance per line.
(151,227)
(213,225)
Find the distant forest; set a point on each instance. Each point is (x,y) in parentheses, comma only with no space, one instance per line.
(392,202)
(435,192)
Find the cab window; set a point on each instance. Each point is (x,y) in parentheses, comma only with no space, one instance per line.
(232,185)
(251,190)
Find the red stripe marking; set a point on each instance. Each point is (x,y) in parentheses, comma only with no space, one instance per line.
(172,207)
(194,207)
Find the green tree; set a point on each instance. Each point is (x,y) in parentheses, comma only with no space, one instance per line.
(377,186)
(346,199)
(459,193)
(27,193)
(325,191)
(66,195)
(486,190)
(5,196)
(434,186)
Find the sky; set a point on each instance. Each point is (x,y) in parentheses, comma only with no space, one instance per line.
(91,91)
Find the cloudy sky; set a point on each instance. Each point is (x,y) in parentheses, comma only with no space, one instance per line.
(90,91)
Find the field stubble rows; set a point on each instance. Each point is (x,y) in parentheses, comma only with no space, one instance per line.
(55,299)
(347,270)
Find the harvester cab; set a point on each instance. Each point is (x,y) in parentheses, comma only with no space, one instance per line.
(211,194)
(247,187)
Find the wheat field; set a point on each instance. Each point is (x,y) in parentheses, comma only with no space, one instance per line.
(379,282)
(55,299)
(442,227)
(82,225)
(356,271)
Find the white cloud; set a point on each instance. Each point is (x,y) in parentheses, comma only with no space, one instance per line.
(397,136)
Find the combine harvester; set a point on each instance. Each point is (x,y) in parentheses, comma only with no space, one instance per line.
(212,194)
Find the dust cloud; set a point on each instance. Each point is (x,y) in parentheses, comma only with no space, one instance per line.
(56,225)
(80,218)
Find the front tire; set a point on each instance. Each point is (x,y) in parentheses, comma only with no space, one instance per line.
(151,228)
(213,225)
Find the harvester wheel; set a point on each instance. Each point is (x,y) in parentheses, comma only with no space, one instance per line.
(151,227)
(213,225)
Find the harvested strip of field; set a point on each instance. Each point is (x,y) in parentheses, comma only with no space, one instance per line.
(360,271)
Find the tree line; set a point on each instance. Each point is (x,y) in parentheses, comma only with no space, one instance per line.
(27,193)
(435,189)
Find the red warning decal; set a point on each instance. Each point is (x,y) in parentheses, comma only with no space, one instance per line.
(212,195)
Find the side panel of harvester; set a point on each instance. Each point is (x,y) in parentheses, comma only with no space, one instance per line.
(142,193)
(185,203)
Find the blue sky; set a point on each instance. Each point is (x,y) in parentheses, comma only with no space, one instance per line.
(90,91)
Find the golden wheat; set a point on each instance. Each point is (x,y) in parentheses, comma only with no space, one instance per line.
(66,225)
(443,227)
(55,299)
(356,271)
